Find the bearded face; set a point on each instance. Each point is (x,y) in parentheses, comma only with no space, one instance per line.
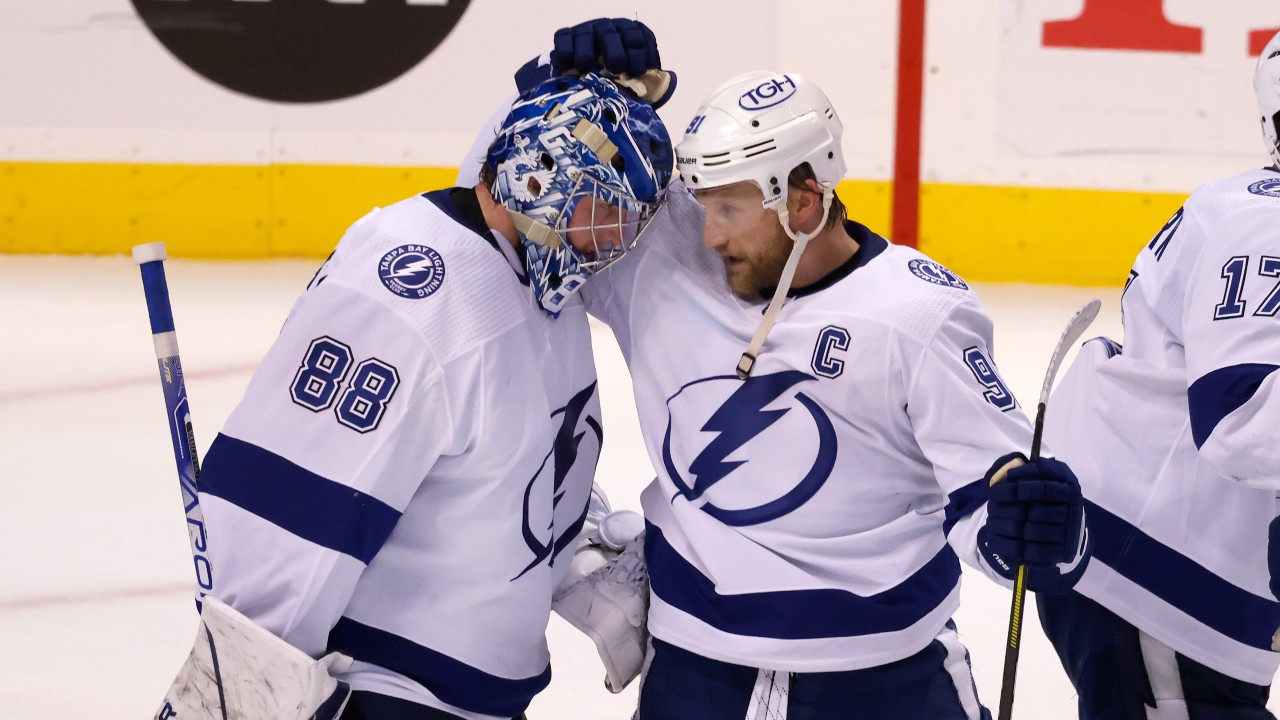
(748,238)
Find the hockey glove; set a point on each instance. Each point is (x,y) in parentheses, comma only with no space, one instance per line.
(618,46)
(611,606)
(1035,517)
(1273,565)
(1273,556)
(625,50)
(605,592)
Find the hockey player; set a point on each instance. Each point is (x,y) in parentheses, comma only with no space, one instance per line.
(814,495)
(398,488)
(1175,443)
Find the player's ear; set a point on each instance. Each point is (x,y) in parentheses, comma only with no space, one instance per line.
(805,205)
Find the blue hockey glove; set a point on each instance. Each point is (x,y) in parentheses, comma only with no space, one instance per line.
(1273,556)
(623,49)
(617,46)
(1035,517)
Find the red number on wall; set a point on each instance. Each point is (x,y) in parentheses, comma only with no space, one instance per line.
(1258,39)
(1124,25)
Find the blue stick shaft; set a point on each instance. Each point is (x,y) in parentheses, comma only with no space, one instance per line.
(150,259)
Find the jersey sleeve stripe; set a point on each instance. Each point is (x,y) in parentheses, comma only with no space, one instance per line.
(964,502)
(449,679)
(1217,394)
(798,614)
(312,507)
(1111,347)
(1182,582)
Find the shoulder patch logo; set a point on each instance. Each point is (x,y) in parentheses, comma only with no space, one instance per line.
(1266,188)
(412,271)
(932,272)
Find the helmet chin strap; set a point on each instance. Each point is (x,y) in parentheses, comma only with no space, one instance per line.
(535,230)
(748,359)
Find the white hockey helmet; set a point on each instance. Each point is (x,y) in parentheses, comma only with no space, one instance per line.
(1266,82)
(759,127)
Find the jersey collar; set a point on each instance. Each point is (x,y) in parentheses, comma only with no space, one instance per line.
(461,205)
(870,245)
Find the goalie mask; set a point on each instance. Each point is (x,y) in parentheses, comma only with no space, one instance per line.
(581,168)
(1266,82)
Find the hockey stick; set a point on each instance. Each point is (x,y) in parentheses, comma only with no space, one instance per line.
(201,685)
(150,258)
(1083,317)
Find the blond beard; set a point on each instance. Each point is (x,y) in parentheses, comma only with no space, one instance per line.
(761,271)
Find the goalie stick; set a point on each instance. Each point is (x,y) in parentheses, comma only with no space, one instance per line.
(150,258)
(236,669)
(1082,319)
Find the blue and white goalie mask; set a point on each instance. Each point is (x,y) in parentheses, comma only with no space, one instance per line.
(581,167)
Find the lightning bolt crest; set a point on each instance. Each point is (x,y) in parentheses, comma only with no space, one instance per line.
(413,268)
(738,420)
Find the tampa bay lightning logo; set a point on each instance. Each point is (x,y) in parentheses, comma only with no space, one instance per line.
(412,271)
(758,458)
(576,424)
(932,272)
(1268,188)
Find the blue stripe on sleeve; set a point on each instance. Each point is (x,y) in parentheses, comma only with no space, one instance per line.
(449,679)
(1113,348)
(798,614)
(964,502)
(1219,393)
(312,507)
(1182,582)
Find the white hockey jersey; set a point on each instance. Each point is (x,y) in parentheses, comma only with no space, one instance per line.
(1176,439)
(799,520)
(409,463)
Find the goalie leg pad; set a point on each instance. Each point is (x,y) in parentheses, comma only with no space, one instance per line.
(237,670)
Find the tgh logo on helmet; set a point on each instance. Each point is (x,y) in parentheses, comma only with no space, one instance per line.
(768,93)
(301,50)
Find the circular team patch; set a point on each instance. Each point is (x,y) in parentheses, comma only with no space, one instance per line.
(1269,188)
(412,271)
(932,272)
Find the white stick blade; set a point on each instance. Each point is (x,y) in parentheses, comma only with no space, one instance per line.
(1079,323)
